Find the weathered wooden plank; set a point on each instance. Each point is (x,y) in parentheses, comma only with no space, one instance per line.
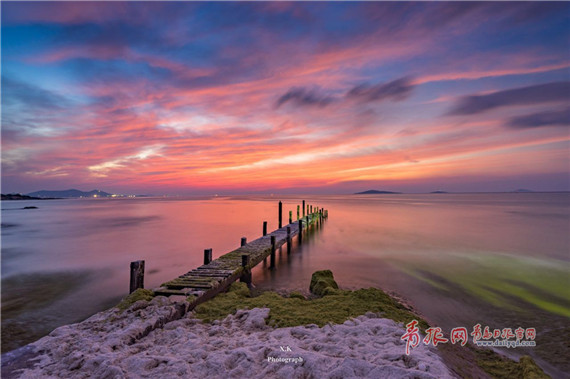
(196,285)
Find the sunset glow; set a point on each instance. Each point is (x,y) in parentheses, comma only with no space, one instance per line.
(201,98)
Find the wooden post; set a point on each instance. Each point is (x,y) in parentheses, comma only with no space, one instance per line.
(243,241)
(246,273)
(300,231)
(280,215)
(288,240)
(290,217)
(311,210)
(207,256)
(298,213)
(137,276)
(264,228)
(303,208)
(272,262)
(307,209)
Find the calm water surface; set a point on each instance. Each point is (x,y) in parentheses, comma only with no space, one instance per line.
(497,259)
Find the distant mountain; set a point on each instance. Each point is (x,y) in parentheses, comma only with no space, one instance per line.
(439,192)
(374,192)
(69,193)
(522,190)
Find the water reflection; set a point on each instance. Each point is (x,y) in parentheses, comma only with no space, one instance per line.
(460,259)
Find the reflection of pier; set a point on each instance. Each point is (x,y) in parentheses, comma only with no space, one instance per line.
(216,275)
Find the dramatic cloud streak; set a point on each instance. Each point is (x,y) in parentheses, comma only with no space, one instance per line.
(305,97)
(541,119)
(396,90)
(530,95)
(185,97)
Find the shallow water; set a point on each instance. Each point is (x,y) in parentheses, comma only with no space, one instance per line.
(497,259)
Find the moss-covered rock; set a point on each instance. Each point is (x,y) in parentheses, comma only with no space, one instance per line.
(503,368)
(139,294)
(323,283)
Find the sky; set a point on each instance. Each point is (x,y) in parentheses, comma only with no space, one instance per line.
(275,97)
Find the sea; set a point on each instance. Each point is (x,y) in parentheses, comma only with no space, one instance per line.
(496,259)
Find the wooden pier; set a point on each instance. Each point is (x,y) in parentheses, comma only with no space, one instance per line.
(215,276)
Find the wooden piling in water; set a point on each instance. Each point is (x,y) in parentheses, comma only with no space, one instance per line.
(243,241)
(290,217)
(303,208)
(288,239)
(137,276)
(264,228)
(280,215)
(300,231)
(297,213)
(246,273)
(207,256)
(272,261)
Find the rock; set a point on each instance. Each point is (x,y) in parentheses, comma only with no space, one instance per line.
(256,319)
(157,342)
(323,283)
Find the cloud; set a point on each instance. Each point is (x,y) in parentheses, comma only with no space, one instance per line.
(34,97)
(305,97)
(28,109)
(102,169)
(535,94)
(396,90)
(489,73)
(559,118)
(104,85)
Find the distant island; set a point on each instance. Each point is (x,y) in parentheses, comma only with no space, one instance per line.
(75,193)
(375,192)
(439,192)
(70,193)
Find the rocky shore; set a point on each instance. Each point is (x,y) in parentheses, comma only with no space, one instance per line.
(159,337)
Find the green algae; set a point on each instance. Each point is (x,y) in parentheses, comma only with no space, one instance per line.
(503,368)
(24,298)
(297,295)
(333,308)
(139,294)
(495,278)
(34,291)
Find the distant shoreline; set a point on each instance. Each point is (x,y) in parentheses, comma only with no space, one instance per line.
(25,197)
